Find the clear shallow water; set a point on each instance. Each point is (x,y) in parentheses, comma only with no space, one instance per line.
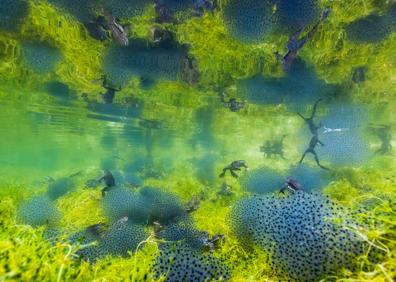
(191,96)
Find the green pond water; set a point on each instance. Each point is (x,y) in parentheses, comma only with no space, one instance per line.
(197,140)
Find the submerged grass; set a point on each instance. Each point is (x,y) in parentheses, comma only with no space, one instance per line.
(26,255)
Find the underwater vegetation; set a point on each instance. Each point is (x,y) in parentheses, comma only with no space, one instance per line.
(12,14)
(40,56)
(39,210)
(299,232)
(164,131)
(179,262)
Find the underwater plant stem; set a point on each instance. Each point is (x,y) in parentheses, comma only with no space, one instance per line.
(63,264)
(135,255)
(381,267)
(364,237)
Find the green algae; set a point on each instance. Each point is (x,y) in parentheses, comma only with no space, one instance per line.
(27,255)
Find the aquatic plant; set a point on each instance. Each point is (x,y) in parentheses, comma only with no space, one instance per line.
(262,180)
(179,262)
(60,187)
(299,231)
(248,20)
(12,14)
(142,60)
(311,178)
(39,210)
(297,14)
(40,56)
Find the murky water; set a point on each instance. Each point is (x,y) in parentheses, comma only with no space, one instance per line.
(197,140)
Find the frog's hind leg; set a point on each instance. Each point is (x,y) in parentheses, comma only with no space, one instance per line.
(234,174)
(317,160)
(303,156)
(223,172)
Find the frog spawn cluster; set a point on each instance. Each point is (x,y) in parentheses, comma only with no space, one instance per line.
(12,14)
(38,210)
(180,262)
(299,232)
(119,239)
(249,21)
(372,28)
(184,254)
